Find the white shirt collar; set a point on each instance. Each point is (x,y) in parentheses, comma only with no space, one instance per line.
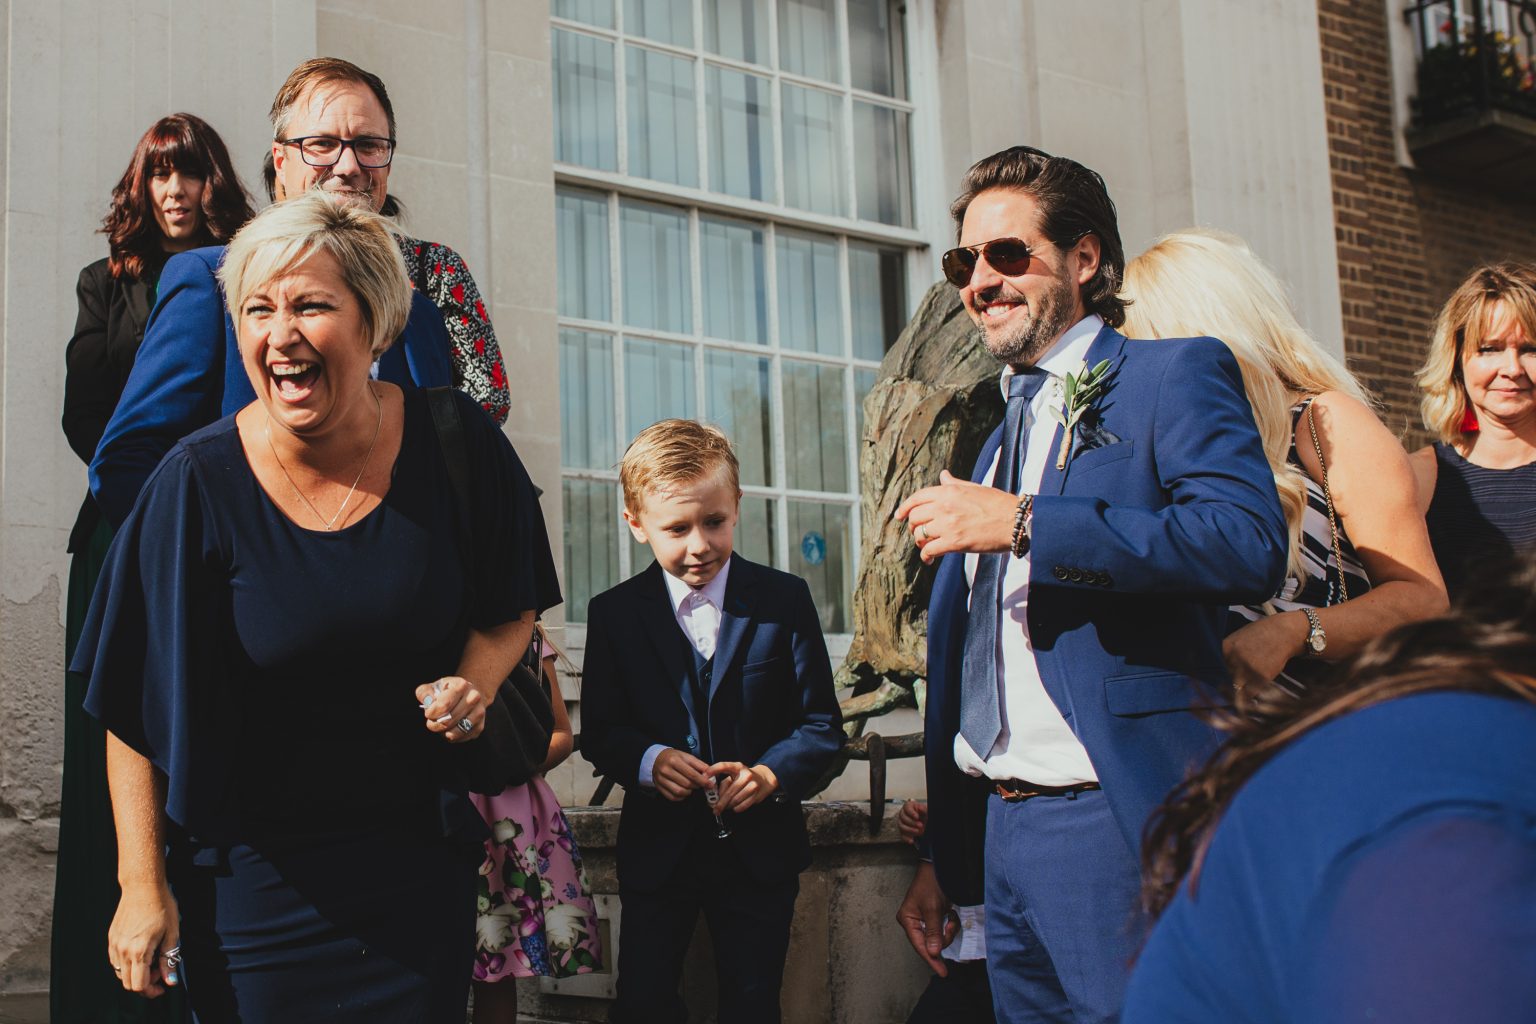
(677,590)
(1067,354)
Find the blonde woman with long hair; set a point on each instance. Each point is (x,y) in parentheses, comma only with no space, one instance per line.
(1360,561)
(1477,483)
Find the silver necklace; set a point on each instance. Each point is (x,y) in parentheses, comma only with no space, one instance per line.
(330,524)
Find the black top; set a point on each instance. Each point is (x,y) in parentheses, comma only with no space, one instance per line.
(268,669)
(108,329)
(1478,516)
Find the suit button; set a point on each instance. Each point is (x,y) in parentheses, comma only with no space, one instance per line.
(1076,575)
(693,743)
(1060,572)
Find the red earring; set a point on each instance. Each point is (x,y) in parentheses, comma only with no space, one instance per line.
(1469,421)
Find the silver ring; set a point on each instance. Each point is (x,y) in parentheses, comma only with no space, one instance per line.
(465,725)
(921,532)
(172,957)
(116,969)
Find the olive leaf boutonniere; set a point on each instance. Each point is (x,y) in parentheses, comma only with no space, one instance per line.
(1078,393)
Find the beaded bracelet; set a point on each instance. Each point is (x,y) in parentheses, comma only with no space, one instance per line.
(1020,517)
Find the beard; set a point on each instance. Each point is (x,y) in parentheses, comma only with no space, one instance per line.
(1049,318)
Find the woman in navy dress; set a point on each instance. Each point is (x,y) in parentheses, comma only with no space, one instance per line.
(1477,482)
(1368,856)
(179,191)
(286,595)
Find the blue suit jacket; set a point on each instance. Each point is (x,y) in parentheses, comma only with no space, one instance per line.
(1165,515)
(771,702)
(188,374)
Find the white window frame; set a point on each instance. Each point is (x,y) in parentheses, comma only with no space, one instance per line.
(922,242)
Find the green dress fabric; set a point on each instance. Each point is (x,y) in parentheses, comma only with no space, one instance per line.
(83,989)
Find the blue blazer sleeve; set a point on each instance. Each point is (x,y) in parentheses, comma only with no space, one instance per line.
(800,758)
(176,384)
(1220,537)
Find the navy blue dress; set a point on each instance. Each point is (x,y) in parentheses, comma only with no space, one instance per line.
(322,851)
(1382,868)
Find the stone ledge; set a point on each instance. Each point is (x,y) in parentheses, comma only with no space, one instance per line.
(830,823)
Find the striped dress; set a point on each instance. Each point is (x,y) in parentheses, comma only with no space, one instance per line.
(1322,572)
(1479,516)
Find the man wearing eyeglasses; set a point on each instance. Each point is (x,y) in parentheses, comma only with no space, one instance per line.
(333,131)
(1076,625)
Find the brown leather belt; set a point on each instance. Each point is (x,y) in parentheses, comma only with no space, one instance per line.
(1014,790)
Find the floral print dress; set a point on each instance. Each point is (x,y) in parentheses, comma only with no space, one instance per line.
(535,916)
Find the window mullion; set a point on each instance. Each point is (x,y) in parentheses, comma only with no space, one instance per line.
(621,94)
(845,65)
(620,383)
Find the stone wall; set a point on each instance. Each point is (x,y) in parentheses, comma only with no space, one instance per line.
(1405,239)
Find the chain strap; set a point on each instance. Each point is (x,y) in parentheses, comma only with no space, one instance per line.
(1333,520)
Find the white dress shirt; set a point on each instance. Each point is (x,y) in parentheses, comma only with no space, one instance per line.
(1036,744)
(698,616)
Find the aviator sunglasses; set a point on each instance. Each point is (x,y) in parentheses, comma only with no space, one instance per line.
(1008,256)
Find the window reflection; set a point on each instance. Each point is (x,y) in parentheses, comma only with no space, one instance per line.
(882,164)
(736,398)
(815,426)
(735,281)
(754,531)
(581,244)
(813,140)
(658,288)
(663,141)
(585,104)
(737,29)
(658,383)
(666,21)
(877,47)
(593,12)
(587,431)
(863,383)
(810,294)
(740,133)
(819,552)
(809,42)
(591,542)
(877,291)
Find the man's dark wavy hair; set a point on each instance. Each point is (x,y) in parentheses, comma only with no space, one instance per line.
(1073,203)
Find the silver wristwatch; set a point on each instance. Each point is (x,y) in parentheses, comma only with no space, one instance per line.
(1317,640)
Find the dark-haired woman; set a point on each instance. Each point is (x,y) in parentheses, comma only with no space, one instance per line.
(1368,855)
(179,192)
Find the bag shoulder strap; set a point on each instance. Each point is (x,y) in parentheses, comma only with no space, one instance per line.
(1333,519)
(449,427)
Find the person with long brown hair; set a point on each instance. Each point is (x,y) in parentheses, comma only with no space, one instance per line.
(1369,854)
(1477,482)
(178,192)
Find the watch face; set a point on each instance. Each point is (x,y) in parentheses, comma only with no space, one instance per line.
(1318,641)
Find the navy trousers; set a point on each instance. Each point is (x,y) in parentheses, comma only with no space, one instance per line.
(748,925)
(1062,893)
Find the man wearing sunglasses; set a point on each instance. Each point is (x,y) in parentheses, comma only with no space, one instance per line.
(1076,624)
(333,131)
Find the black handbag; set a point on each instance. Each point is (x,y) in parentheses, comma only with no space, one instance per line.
(519,722)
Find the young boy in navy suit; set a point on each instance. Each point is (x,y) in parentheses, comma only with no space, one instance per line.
(707,694)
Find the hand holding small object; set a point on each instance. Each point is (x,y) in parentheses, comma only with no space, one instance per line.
(452,707)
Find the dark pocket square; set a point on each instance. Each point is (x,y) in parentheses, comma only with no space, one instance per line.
(1093,436)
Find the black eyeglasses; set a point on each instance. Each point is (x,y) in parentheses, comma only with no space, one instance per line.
(1008,256)
(324,151)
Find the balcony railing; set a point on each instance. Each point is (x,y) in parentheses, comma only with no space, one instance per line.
(1474,108)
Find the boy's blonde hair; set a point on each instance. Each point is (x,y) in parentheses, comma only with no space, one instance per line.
(1462,323)
(675,452)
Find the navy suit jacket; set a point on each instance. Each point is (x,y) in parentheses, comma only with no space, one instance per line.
(1165,515)
(188,374)
(770,702)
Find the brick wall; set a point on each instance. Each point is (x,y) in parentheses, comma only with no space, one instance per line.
(1405,239)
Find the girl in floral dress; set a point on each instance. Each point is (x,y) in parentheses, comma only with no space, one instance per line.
(536,916)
